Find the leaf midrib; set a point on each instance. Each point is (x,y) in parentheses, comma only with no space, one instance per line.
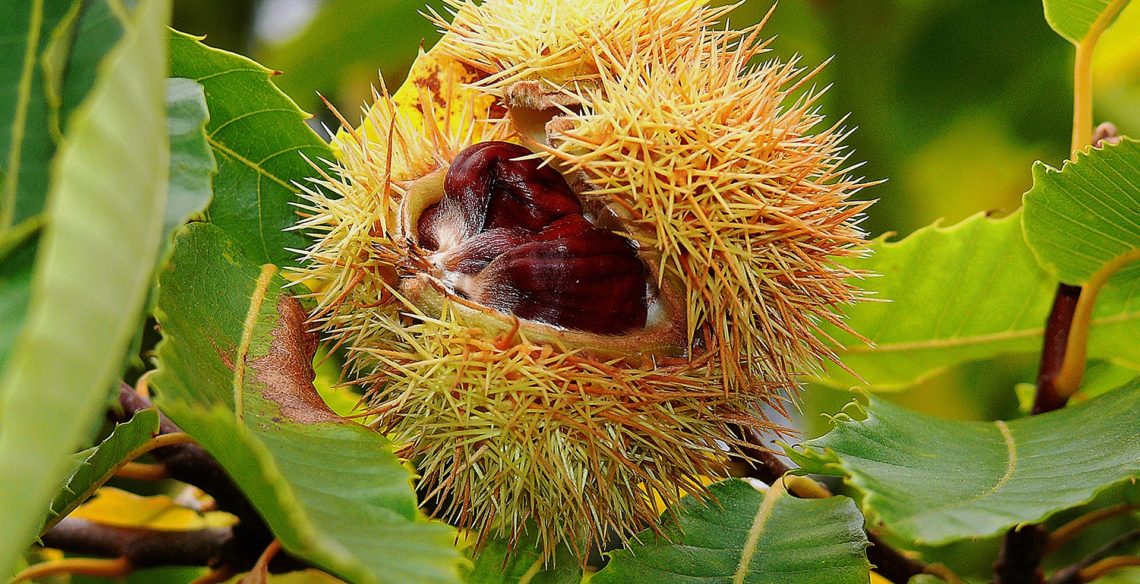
(763,514)
(19,122)
(256,300)
(977,339)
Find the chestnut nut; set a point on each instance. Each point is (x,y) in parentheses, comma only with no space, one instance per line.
(510,234)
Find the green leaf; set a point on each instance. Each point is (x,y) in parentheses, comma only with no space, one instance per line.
(933,481)
(1074,19)
(235,372)
(1082,217)
(49,57)
(71,61)
(17,258)
(524,565)
(96,253)
(192,164)
(746,536)
(26,145)
(963,293)
(260,139)
(96,465)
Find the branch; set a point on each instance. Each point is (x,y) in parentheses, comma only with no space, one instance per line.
(141,547)
(1020,557)
(1022,549)
(1057,328)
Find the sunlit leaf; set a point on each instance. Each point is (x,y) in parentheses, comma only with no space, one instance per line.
(236,374)
(748,536)
(962,293)
(92,271)
(1073,19)
(934,481)
(1085,215)
(120,508)
(260,139)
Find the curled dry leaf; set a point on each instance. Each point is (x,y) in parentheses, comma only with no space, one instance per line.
(287,370)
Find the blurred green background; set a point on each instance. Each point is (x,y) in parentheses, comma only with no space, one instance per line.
(953,100)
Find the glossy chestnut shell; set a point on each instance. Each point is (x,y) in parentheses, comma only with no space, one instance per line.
(509,233)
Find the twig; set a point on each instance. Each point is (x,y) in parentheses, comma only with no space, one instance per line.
(1023,548)
(140,546)
(1019,561)
(767,467)
(1099,562)
(1048,397)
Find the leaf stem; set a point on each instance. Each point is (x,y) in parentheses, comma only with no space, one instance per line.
(116,568)
(1068,379)
(1082,96)
(1064,534)
(1103,567)
(1082,76)
(141,471)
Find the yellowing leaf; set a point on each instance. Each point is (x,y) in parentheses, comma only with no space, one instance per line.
(436,85)
(119,508)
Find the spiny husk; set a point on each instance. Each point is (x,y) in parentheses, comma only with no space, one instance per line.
(512,431)
(353,212)
(564,43)
(729,178)
(517,425)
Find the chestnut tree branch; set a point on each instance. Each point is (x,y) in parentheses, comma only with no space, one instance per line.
(1019,561)
(142,547)
(1057,327)
(1023,548)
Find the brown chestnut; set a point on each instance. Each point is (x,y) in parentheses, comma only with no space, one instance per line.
(570,274)
(509,234)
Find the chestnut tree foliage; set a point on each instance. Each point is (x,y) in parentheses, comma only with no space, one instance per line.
(151,335)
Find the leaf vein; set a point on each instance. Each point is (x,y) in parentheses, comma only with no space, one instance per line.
(763,514)
(255,302)
(19,123)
